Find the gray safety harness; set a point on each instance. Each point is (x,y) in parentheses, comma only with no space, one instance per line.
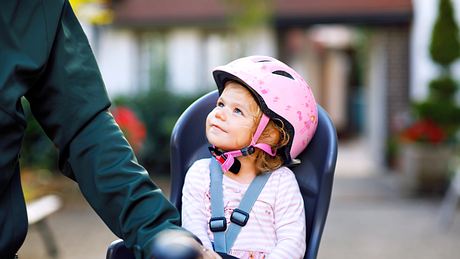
(225,238)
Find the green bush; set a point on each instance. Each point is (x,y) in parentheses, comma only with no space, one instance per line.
(443,88)
(440,106)
(159,111)
(444,45)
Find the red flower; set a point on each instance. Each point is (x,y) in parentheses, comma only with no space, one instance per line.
(424,131)
(133,128)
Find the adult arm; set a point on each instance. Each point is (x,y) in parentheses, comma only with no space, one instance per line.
(70,103)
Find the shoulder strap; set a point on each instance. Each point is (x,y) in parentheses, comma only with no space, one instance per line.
(240,215)
(224,241)
(217,223)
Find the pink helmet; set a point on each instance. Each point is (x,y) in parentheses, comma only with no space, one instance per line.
(281,93)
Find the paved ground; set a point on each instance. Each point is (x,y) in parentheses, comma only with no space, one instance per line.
(369,217)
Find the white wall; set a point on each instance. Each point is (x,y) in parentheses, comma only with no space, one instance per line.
(376,96)
(116,52)
(192,54)
(336,64)
(214,52)
(118,56)
(260,42)
(184,60)
(223,48)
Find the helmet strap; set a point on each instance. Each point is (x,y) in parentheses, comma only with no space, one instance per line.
(228,159)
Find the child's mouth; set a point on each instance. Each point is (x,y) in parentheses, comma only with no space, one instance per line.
(218,128)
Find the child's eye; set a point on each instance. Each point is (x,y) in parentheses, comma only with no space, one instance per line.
(238,111)
(220,104)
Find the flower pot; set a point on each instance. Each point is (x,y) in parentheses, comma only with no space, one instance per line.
(425,167)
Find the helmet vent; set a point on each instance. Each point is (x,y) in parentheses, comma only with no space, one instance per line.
(283,73)
(263,60)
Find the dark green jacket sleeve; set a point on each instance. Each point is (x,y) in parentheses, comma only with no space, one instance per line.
(70,102)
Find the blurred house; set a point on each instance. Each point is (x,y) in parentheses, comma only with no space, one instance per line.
(355,54)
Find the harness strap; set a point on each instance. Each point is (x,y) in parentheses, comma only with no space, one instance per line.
(240,215)
(223,241)
(217,206)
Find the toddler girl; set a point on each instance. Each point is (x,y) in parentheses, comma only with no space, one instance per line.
(265,116)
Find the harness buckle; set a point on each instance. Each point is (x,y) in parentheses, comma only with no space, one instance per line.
(239,217)
(218,224)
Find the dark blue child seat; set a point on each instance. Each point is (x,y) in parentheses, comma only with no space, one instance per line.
(315,174)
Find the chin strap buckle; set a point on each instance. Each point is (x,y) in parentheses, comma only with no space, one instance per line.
(249,150)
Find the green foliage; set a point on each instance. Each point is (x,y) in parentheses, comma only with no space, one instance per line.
(247,14)
(443,88)
(444,113)
(37,149)
(440,106)
(159,110)
(445,45)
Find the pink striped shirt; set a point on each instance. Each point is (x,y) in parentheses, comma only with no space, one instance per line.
(276,226)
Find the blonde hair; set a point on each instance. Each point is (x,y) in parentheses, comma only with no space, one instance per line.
(277,137)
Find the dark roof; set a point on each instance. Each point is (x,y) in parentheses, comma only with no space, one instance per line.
(286,12)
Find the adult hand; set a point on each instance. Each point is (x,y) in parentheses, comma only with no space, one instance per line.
(209,254)
(173,244)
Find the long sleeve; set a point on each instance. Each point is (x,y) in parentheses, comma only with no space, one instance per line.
(194,216)
(70,102)
(289,220)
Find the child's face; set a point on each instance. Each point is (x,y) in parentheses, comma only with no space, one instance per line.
(231,124)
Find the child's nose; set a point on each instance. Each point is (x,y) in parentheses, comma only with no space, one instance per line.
(220,114)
